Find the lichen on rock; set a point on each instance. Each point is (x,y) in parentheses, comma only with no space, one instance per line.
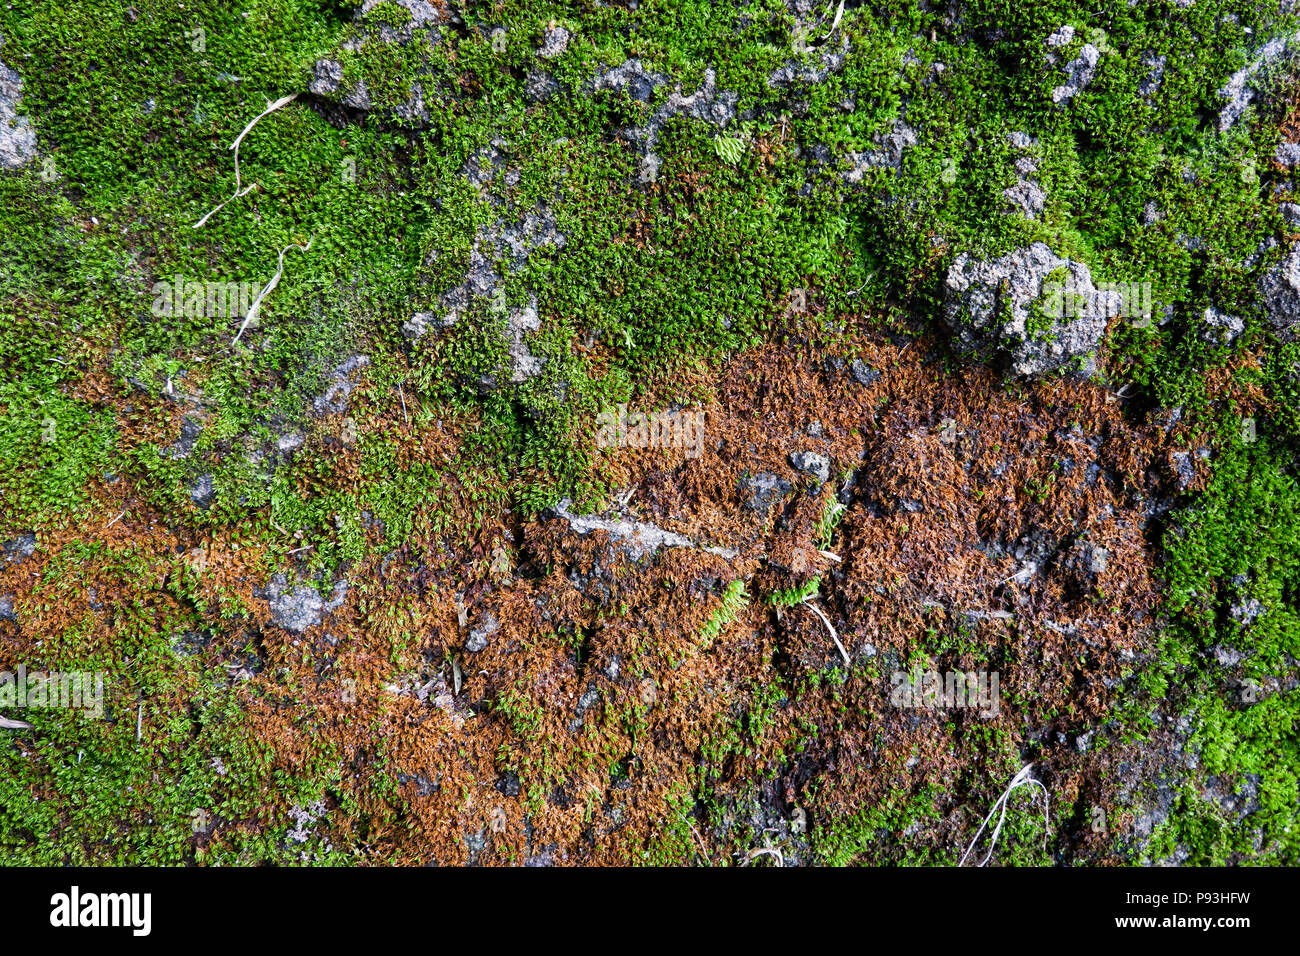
(1004,306)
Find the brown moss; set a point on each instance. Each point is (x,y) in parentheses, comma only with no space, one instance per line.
(597,690)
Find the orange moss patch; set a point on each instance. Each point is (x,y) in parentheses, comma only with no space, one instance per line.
(985,527)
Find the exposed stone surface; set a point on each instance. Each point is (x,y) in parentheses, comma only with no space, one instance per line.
(830,59)
(297,608)
(1280,288)
(988,305)
(17,136)
(889,155)
(1247,83)
(509,242)
(1154,79)
(191,429)
(636,539)
(1079,71)
(1026,196)
(478,636)
(765,490)
(343,379)
(707,104)
(1288,154)
(1221,327)
(19,549)
(819,466)
(554,42)
(203,492)
(425,26)
(862,373)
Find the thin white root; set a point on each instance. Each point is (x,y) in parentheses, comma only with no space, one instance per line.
(7,724)
(1021,778)
(839,13)
(270,108)
(699,840)
(848,661)
(771,851)
(266,290)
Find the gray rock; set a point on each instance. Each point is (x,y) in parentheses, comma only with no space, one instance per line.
(482,289)
(1079,71)
(424,16)
(1247,83)
(1095,560)
(765,489)
(707,104)
(523,364)
(540,86)
(1026,166)
(987,303)
(1156,76)
(478,636)
(633,78)
(798,72)
(422,323)
(1061,37)
(19,549)
(1026,197)
(862,373)
(1237,803)
(189,643)
(7,608)
(1287,154)
(327,77)
(1227,656)
(888,155)
(636,539)
(17,136)
(191,429)
(203,492)
(304,819)
(290,442)
(1246,612)
(819,466)
(1221,327)
(554,42)
(426,20)
(342,381)
(298,608)
(1280,289)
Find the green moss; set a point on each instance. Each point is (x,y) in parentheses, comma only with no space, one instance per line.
(135,122)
